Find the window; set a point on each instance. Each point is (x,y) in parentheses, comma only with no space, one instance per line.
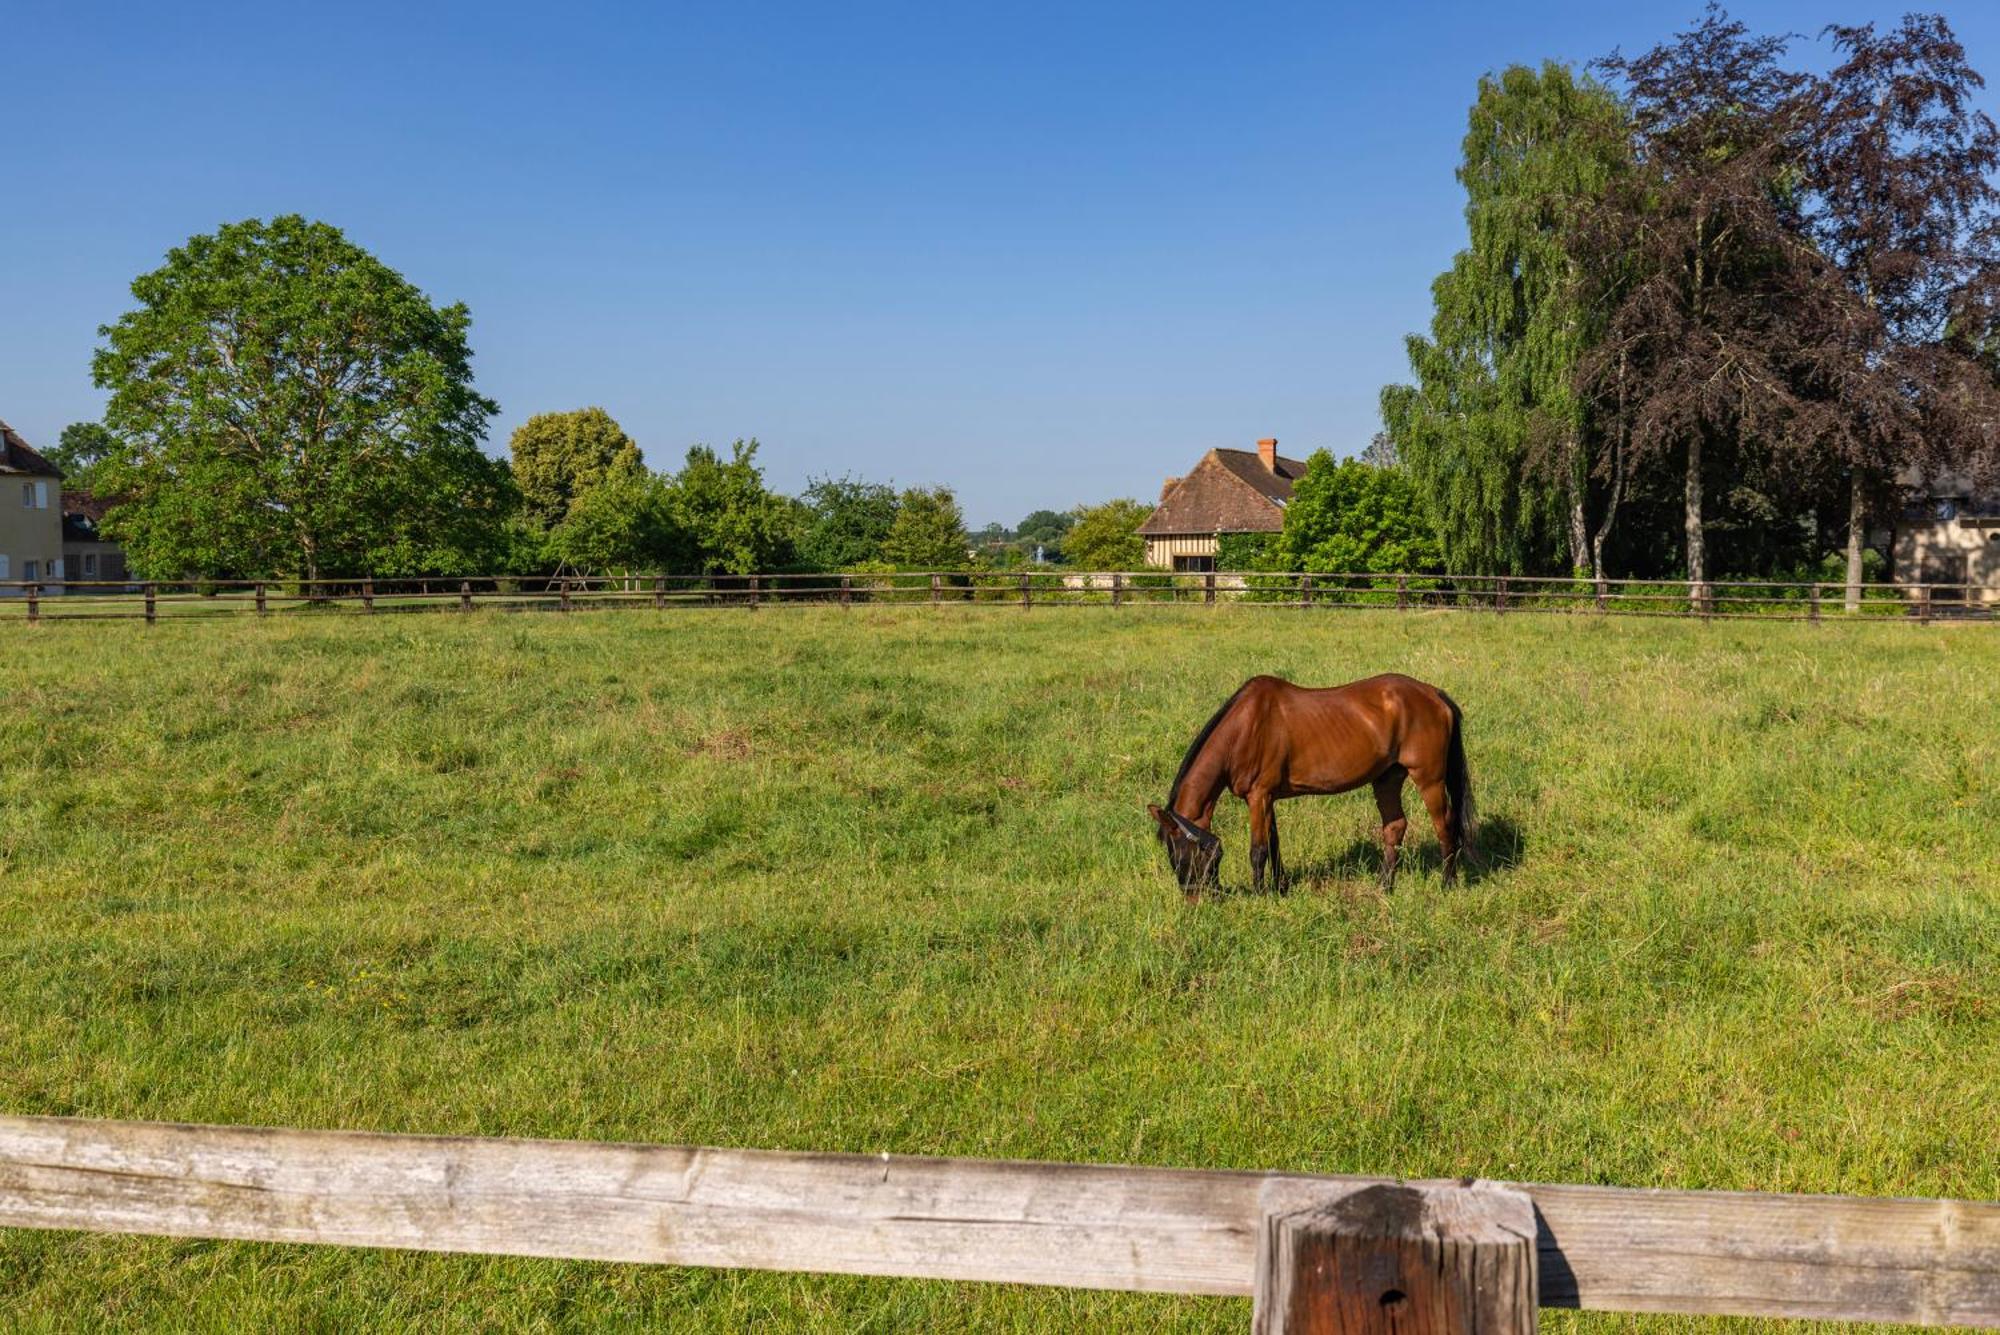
(3,565)
(90,565)
(41,495)
(28,495)
(31,570)
(1194,565)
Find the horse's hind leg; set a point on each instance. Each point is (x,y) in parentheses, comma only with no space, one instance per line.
(1439,803)
(1389,801)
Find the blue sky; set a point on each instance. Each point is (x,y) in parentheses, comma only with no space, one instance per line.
(1044,254)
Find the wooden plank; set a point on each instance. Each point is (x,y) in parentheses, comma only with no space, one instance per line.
(1152,1229)
(1390,1259)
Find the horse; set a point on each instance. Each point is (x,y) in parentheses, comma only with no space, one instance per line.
(1273,740)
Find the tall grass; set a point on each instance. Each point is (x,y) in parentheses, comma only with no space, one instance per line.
(881,879)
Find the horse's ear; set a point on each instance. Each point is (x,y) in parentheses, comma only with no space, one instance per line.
(1159,816)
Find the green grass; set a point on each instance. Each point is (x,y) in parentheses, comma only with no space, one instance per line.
(882,880)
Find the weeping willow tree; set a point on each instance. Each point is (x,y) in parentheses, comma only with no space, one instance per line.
(1495,432)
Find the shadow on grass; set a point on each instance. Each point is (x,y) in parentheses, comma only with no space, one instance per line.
(1501,845)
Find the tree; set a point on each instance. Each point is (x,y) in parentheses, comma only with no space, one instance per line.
(1348,516)
(847,521)
(1903,203)
(929,532)
(1045,529)
(286,404)
(559,456)
(732,524)
(82,447)
(1106,537)
(1701,265)
(1493,432)
(621,524)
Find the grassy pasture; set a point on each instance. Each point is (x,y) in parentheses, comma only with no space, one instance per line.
(881,880)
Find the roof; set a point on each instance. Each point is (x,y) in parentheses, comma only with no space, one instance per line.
(17,457)
(1229,491)
(82,512)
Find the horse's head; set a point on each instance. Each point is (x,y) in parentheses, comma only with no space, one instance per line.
(1193,852)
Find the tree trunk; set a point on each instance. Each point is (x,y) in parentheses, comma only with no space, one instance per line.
(1855,513)
(1579,528)
(1697,553)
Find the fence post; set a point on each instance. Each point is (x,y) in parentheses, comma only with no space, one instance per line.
(368,594)
(1924,603)
(1305,590)
(34,602)
(150,613)
(1500,600)
(465,595)
(1208,587)
(1027,592)
(756,586)
(1117,588)
(937,588)
(847,590)
(563,588)
(1812,603)
(1400,1260)
(1402,593)
(1601,608)
(261,609)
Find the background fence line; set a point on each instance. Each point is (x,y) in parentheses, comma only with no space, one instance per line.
(151,601)
(1927,1262)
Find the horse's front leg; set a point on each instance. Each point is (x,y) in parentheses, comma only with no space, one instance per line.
(1263,840)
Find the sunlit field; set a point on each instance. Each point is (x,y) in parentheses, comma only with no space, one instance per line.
(882,880)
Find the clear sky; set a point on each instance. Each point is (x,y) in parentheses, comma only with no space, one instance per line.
(1046,254)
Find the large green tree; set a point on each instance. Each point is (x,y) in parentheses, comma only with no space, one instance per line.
(1493,431)
(929,532)
(82,447)
(1348,516)
(287,404)
(847,522)
(559,456)
(622,524)
(1106,537)
(729,521)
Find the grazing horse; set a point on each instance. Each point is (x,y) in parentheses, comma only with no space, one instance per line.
(1273,739)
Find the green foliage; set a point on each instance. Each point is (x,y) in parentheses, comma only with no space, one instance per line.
(728,521)
(847,522)
(286,404)
(623,523)
(557,457)
(83,446)
(1106,537)
(1246,551)
(1492,432)
(1046,529)
(1345,515)
(929,531)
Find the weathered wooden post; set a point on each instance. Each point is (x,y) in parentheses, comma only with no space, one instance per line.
(1305,590)
(1402,593)
(1601,598)
(1027,592)
(34,602)
(368,594)
(262,610)
(1924,604)
(563,588)
(937,589)
(1208,587)
(1812,603)
(1500,598)
(1400,1260)
(756,586)
(1117,588)
(465,595)
(847,590)
(151,614)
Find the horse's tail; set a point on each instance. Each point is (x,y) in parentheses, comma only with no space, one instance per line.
(1458,781)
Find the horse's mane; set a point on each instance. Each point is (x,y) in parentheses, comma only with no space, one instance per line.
(1200,740)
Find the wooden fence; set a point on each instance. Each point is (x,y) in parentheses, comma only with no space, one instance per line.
(1319,1253)
(1025,589)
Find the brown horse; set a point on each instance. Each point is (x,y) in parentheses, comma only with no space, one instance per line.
(1273,739)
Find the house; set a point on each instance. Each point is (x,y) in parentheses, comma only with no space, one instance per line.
(1228,491)
(88,556)
(1950,537)
(31,538)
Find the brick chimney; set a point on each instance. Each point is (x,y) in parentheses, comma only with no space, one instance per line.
(1267,450)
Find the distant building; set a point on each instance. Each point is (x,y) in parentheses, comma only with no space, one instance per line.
(1228,491)
(1950,536)
(88,556)
(31,537)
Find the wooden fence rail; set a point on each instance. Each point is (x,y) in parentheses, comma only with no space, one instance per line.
(40,601)
(1926,1262)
